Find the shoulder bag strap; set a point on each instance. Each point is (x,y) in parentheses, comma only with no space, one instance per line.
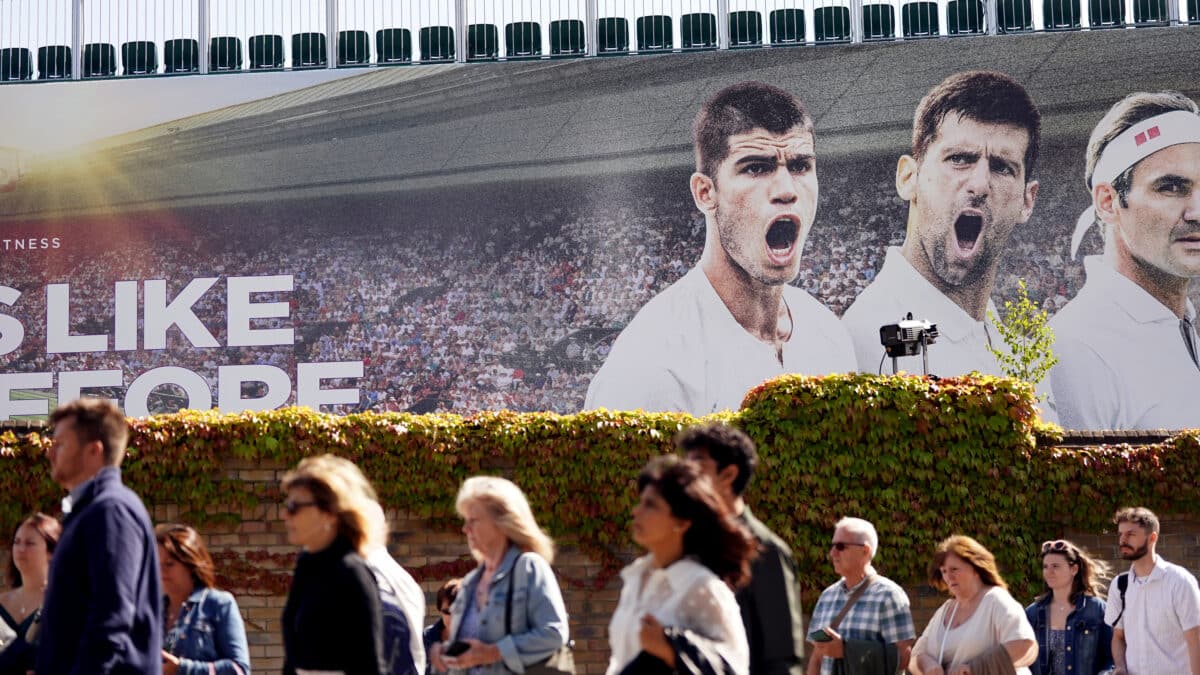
(1122,586)
(512,574)
(850,602)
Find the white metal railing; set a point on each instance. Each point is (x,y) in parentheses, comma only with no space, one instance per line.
(74,39)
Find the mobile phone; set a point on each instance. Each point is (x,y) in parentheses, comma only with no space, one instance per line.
(455,648)
(819,636)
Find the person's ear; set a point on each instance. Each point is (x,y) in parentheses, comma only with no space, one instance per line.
(907,170)
(1106,201)
(1031,193)
(704,193)
(727,476)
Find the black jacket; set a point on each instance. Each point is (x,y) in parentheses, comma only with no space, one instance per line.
(102,613)
(333,619)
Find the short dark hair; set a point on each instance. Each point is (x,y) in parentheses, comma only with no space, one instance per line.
(740,108)
(1138,515)
(725,445)
(448,592)
(984,96)
(185,545)
(717,541)
(48,528)
(96,419)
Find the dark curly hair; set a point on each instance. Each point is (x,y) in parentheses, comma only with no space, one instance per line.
(719,542)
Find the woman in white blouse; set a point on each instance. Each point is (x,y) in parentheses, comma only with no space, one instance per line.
(680,591)
(980,623)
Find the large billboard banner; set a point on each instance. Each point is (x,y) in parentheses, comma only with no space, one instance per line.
(642,232)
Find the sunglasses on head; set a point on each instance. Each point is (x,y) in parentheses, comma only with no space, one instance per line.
(1058,546)
(841,545)
(293,507)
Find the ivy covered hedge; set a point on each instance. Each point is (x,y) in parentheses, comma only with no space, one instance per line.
(921,459)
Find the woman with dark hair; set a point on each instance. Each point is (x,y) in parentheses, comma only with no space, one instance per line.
(981,628)
(679,596)
(333,619)
(203,632)
(1068,617)
(439,631)
(21,607)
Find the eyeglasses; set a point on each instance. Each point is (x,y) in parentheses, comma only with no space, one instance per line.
(293,507)
(841,545)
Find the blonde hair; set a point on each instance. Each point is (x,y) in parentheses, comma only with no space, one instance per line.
(339,488)
(508,506)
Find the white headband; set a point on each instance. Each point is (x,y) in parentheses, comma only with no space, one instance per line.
(1133,145)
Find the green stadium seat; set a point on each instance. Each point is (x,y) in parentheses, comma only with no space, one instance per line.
(1014,16)
(879,22)
(787,27)
(393,45)
(745,28)
(522,39)
(964,17)
(354,48)
(919,19)
(832,24)
(266,51)
(1148,12)
(1106,13)
(181,55)
(309,50)
(698,31)
(99,60)
(16,63)
(483,42)
(567,38)
(436,43)
(612,35)
(224,53)
(1061,14)
(655,32)
(139,57)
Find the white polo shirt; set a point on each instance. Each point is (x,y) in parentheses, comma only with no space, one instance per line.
(962,343)
(1122,363)
(1158,609)
(684,351)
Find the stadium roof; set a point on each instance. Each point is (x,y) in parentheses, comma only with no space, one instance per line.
(397,129)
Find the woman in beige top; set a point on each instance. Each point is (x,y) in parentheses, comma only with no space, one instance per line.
(979,620)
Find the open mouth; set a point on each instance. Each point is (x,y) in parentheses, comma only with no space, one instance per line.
(966,229)
(782,235)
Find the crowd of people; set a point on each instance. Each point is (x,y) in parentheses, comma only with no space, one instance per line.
(714,593)
(514,310)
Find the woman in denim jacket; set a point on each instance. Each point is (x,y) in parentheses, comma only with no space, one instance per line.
(1068,617)
(203,632)
(513,552)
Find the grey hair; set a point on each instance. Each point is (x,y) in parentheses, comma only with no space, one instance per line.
(863,529)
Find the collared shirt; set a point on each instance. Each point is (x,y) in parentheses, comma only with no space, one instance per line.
(1159,608)
(882,613)
(685,594)
(962,342)
(74,495)
(1122,361)
(684,351)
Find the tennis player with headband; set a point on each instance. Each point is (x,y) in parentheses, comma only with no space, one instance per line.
(1129,354)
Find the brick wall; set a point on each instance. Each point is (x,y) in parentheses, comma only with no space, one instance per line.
(418,545)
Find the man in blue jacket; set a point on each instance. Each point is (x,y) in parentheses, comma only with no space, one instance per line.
(102,613)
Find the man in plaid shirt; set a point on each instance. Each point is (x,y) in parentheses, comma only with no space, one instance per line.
(881,612)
